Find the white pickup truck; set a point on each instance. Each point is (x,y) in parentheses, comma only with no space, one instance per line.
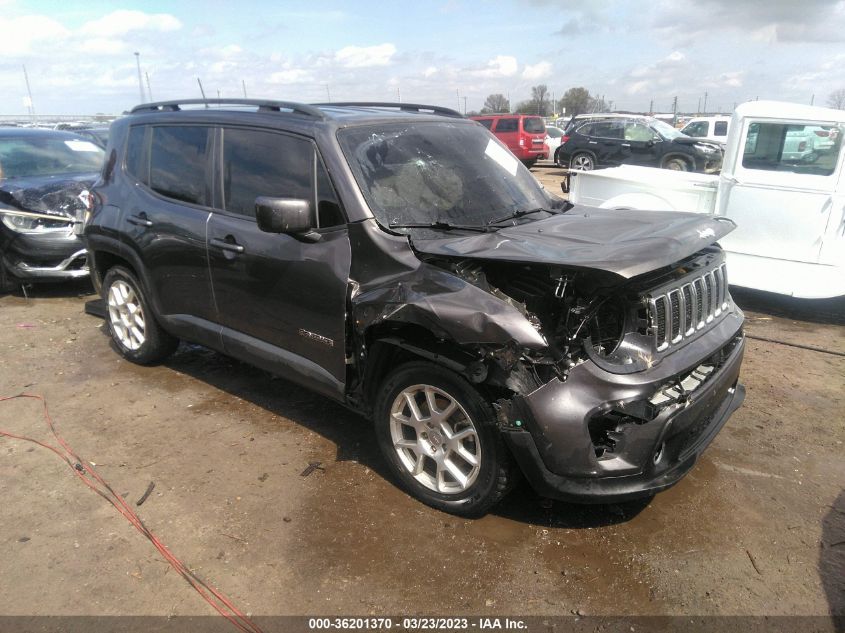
(781,182)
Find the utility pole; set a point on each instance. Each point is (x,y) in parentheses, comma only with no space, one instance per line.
(698,109)
(149,90)
(243,83)
(328,94)
(30,104)
(465,106)
(140,82)
(705,103)
(398,95)
(458,95)
(812,98)
(651,107)
(202,92)
(675,111)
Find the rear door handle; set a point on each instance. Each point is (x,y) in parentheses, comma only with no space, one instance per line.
(225,245)
(139,220)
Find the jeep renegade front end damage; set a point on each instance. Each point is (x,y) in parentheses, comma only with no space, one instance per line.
(401,261)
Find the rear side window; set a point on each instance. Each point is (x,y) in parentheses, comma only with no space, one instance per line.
(608,129)
(507,125)
(533,125)
(488,123)
(178,163)
(720,128)
(259,163)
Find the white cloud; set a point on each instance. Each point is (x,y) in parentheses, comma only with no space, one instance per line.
(23,34)
(290,76)
(102,46)
(365,56)
(430,71)
(499,66)
(124,21)
(537,71)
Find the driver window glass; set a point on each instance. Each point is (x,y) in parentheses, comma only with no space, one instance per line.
(638,132)
(258,163)
(802,149)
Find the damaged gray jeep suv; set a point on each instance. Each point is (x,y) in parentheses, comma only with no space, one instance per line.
(400,260)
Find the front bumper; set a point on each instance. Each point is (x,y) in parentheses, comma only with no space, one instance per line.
(555,440)
(45,257)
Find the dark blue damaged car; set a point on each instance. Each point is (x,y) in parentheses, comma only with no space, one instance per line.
(44,180)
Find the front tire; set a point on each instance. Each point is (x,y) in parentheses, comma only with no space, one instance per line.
(676,164)
(133,327)
(7,283)
(440,439)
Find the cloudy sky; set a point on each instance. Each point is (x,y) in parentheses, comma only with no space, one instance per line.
(80,54)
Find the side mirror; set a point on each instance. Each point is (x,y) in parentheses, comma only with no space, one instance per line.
(284,215)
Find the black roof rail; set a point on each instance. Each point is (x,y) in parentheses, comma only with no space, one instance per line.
(406,107)
(263,105)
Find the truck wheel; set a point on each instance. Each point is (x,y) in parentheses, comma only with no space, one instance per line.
(440,439)
(530,162)
(582,162)
(676,164)
(134,330)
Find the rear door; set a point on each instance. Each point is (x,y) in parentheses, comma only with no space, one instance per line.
(165,217)
(607,141)
(280,299)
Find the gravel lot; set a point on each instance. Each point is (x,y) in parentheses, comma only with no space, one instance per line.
(757,528)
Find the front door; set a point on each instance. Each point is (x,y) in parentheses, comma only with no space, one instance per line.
(780,200)
(275,291)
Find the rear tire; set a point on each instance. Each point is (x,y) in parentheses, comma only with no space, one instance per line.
(133,327)
(582,161)
(445,449)
(530,163)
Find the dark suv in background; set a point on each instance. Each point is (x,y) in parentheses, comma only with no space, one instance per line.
(400,260)
(608,141)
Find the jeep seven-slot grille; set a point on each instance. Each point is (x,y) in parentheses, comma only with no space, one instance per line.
(682,311)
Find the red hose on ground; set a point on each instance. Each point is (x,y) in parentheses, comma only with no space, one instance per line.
(84,471)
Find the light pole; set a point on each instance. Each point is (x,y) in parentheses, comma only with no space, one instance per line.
(140,81)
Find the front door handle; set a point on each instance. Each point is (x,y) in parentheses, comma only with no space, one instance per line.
(139,220)
(228,244)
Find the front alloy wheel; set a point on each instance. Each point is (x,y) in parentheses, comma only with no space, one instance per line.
(435,440)
(582,162)
(439,436)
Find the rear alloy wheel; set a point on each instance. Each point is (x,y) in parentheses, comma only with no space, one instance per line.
(441,441)
(133,328)
(676,164)
(582,162)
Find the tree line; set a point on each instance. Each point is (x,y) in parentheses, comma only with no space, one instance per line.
(574,101)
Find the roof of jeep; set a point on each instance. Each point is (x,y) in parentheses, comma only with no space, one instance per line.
(290,115)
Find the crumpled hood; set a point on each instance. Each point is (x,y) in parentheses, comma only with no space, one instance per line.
(53,195)
(693,140)
(627,243)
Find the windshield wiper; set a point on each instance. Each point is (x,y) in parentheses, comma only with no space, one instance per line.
(519,213)
(440,224)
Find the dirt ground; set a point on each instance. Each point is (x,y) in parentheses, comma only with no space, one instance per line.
(757,528)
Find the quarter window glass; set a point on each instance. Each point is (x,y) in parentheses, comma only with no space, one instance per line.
(264,164)
(488,123)
(135,153)
(720,128)
(608,129)
(177,163)
(328,205)
(507,125)
(802,149)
